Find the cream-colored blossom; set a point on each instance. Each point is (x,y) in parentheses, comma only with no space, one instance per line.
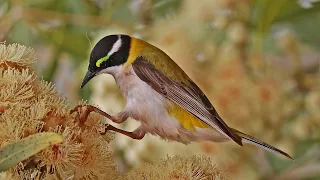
(16,53)
(179,167)
(29,106)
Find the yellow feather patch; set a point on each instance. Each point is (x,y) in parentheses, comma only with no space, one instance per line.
(186,119)
(136,46)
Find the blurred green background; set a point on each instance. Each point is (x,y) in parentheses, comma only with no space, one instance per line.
(257,60)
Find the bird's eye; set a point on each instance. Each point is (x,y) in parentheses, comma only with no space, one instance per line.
(101,60)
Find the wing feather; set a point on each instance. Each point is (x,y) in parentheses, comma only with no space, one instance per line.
(191,99)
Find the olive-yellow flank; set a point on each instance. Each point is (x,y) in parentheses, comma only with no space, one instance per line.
(160,95)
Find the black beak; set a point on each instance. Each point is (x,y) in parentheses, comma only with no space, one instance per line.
(87,78)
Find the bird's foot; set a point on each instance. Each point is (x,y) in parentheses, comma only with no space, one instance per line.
(136,134)
(85,110)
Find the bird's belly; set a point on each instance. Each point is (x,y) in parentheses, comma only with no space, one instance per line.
(168,127)
(150,108)
(153,111)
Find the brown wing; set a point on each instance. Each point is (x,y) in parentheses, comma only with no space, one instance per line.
(191,99)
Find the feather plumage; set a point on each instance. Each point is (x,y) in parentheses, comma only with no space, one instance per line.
(191,99)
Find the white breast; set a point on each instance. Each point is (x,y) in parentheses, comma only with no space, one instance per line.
(149,107)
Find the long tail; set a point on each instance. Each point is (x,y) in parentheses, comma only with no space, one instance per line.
(252,140)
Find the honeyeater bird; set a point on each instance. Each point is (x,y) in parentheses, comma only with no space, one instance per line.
(160,95)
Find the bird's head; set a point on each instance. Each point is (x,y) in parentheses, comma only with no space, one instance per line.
(110,51)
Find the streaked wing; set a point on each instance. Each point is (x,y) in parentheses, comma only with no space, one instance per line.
(191,99)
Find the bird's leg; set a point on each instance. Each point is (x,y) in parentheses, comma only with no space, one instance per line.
(120,117)
(87,109)
(136,134)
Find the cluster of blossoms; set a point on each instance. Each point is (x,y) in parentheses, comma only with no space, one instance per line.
(29,106)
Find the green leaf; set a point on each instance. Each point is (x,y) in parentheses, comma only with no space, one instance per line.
(68,39)
(163,7)
(120,12)
(66,6)
(292,10)
(306,29)
(85,93)
(278,163)
(264,13)
(12,154)
(268,13)
(21,33)
(303,146)
(304,22)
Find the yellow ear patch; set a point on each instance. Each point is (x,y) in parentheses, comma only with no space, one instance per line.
(101,60)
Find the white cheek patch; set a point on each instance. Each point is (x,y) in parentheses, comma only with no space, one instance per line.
(116,46)
(114,70)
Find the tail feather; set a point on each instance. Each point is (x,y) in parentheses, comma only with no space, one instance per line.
(252,140)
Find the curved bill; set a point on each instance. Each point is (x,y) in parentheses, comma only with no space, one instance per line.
(87,78)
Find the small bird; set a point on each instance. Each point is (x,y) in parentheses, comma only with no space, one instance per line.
(160,95)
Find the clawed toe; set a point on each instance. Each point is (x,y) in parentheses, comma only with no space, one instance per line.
(76,109)
(85,110)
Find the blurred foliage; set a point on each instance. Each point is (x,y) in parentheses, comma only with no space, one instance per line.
(274,42)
